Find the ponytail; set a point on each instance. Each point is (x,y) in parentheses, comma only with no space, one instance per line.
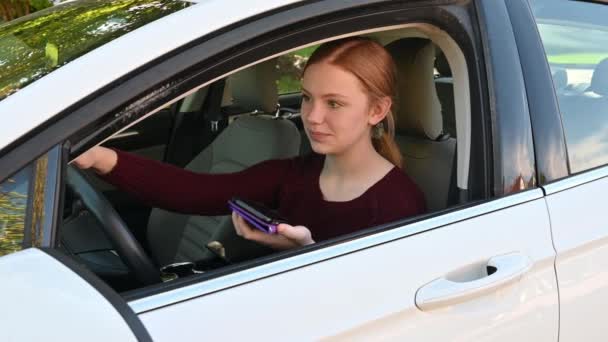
(385,144)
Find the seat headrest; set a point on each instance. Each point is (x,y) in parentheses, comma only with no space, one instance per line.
(560,78)
(599,80)
(272,138)
(255,88)
(418,110)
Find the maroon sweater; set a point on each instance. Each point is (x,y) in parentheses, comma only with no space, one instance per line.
(289,185)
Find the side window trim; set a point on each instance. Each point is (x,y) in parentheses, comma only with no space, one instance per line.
(576,180)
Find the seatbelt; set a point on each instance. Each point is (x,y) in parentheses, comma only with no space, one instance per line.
(177,121)
(453,190)
(212,108)
(214,120)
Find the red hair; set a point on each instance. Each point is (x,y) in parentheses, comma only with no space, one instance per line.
(375,68)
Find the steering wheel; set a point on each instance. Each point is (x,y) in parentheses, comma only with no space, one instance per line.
(127,247)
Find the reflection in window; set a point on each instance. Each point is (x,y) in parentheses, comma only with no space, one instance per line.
(290,67)
(22,208)
(35,45)
(13,204)
(575,37)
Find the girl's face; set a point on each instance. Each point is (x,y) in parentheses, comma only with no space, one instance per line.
(336,110)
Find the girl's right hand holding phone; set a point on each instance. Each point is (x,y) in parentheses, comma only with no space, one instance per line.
(287,236)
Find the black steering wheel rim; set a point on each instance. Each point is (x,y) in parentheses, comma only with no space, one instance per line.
(125,244)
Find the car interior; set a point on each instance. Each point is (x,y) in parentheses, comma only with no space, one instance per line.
(247,117)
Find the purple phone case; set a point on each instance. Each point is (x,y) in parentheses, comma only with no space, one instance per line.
(268,228)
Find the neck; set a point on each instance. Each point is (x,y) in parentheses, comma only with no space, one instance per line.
(353,162)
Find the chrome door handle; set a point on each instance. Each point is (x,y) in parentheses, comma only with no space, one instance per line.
(444,292)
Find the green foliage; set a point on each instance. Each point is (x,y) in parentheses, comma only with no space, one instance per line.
(35,45)
(577,58)
(12,221)
(37,5)
(290,68)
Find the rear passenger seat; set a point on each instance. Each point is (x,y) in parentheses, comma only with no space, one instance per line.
(421,133)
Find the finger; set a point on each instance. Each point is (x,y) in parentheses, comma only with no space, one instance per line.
(249,232)
(298,233)
(237,224)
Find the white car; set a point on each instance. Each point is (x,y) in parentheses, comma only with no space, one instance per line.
(509,145)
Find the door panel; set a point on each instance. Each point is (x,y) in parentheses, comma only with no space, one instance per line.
(43,300)
(370,294)
(580,231)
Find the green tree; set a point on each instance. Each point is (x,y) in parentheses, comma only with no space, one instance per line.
(34,46)
(13,9)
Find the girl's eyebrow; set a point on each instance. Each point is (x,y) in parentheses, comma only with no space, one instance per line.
(326,95)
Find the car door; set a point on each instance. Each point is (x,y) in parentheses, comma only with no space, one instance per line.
(574,35)
(481,272)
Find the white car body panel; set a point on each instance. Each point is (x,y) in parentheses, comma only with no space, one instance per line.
(580,232)
(49,302)
(370,294)
(94,70)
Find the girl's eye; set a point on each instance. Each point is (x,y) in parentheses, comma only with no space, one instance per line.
(333,104)
(305,98)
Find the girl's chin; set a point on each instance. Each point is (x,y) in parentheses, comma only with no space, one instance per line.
(320,148)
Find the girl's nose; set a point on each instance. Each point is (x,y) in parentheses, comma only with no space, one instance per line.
(314,115)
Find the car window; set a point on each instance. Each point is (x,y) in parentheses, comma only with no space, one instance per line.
(13,203)
(290,66)
(255,132)
(575,37)
(35,45)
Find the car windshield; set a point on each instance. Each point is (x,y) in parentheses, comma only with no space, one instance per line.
(35,45)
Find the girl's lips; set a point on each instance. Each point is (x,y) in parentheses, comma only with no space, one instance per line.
(318,135)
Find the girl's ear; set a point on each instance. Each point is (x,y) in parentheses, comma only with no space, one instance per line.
(379,110)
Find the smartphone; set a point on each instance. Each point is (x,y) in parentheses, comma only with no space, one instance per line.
(257,215)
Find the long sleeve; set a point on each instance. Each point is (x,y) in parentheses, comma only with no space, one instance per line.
(168,187)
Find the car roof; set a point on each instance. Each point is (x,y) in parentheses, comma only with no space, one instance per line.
(50,95)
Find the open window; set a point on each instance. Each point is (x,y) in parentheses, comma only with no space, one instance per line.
(251,114)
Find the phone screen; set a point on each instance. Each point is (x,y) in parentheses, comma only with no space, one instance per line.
(254,210)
